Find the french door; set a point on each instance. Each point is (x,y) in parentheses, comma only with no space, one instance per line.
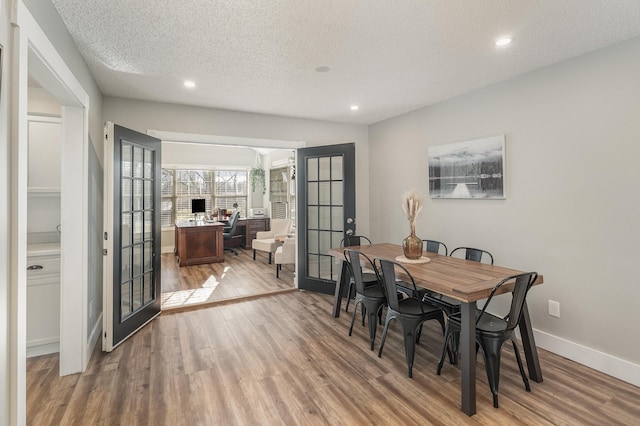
(327,199)
(132,278)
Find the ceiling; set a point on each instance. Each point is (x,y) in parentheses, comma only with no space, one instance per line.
(387,57)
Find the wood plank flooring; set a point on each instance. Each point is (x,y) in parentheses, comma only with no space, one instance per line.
(237,278)
(283,360)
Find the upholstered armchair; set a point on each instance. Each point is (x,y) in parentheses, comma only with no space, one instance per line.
(285,254)
(266,240)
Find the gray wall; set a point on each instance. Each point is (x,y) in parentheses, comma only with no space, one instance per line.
(572,210)
(143,116)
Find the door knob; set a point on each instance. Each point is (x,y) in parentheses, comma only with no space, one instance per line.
(350,220)
(349,232)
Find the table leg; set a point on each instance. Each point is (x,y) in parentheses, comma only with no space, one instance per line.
(337,301)
(529,346)
(468,355)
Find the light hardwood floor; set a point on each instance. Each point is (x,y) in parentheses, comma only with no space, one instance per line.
(237,278)
(283,360)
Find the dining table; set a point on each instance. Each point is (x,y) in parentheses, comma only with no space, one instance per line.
(464,280)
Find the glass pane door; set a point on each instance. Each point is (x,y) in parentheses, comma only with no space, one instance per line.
(326,185)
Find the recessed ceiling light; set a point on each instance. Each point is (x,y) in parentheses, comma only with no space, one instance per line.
(354,107)
(503,41)
(323,69)
(190,84)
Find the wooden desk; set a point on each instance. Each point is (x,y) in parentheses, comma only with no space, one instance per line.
(199,242)
(465,281)
(247,227)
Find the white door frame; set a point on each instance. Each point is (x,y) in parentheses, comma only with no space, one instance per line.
(34,54)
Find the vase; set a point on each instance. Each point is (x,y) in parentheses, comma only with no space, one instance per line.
(412,245)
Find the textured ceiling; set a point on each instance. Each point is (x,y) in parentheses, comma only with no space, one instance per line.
(388,57)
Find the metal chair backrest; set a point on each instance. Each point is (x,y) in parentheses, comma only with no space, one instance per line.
(473,254)
(352,257)
(355,240)
(433,246)
(387,270)
(523,283)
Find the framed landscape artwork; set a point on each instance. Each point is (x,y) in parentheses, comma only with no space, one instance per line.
(472,169)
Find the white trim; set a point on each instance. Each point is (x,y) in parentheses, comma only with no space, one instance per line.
(37,347)
(592,358)
(179,137)
(35,55)
(44,118)
(107,243)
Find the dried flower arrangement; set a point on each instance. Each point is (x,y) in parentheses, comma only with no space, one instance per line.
(412,245)
(412,204)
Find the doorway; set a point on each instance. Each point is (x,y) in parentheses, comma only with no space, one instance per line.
(35,56)
(239,276)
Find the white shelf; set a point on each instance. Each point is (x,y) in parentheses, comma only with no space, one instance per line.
(44,191)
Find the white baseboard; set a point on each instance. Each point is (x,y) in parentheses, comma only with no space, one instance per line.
(96,332)
(167,249)
(46,346)
(605,363)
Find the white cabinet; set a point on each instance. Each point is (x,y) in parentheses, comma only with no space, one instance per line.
(43,304)
(45,135)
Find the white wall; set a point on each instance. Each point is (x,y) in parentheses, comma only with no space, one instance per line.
(572,211)
(47,17)
(143,116)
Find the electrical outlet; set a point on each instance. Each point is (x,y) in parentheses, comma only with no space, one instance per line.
(554,308)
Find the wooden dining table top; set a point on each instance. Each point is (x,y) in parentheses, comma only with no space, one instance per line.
(460,279)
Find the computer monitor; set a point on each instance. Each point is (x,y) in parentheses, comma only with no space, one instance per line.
(198,205)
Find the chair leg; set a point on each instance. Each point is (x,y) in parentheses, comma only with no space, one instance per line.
(522,373)
(491,351)
(254,254)
(445,348)
(384,333)
(269,258)
(410,329)
(373,323)
(277,271)
(349,290)
(353,317)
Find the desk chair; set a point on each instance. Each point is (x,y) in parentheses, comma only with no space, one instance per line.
(229,231)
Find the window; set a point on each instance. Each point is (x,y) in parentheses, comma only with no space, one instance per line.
(231,190)
(220,189)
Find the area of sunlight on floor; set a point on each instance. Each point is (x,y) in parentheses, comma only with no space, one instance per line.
(190,297)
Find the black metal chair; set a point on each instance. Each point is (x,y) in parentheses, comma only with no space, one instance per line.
(229,231)
(448,304)
(371,298)
(433,246)
(410,312)
(473,254)
(492,331)
(368,277)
